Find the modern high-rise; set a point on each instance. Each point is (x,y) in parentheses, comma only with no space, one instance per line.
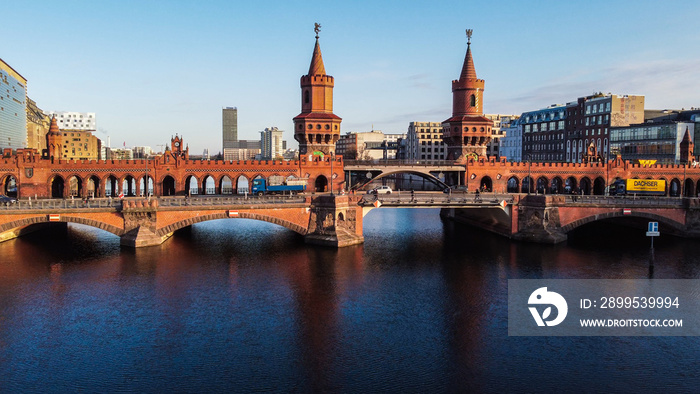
(75,120)
(229,121)
(13,108)
(271,143)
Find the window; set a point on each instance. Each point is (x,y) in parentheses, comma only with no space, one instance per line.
(472,100)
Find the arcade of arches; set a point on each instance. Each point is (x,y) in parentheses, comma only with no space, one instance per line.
(131,186)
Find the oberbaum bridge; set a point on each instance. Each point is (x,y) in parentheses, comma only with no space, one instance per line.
(528,200)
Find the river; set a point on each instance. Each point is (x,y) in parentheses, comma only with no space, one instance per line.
(240,305)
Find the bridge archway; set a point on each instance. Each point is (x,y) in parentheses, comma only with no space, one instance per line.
(674,188)
(9,186)
(571,186)
(321,184)
(542,183)
(556,186)
(65,218)
(676,226)
(486,184)
(242,185)
(585,188)
(143,190)
(402,183)
(129,186)
(528,185)
(689,188)
(225,185)
(75,186)
(57,187)
(513,184)
(168,186)
(191,185)
(222,215)
(599,186)
(111,189)
(93,186)
(208,185)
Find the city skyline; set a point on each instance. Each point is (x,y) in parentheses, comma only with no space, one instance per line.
(150,71)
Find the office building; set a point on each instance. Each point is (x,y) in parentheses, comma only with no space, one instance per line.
(424,141)
(590,118)
(75,120)
(229,121)
(13,108)
(38,124)
(271,143)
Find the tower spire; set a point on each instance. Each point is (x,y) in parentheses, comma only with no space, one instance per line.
(317,67)
(468,70)
(317,128)
(467,132)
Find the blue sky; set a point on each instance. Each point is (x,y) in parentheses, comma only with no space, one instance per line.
(151,69)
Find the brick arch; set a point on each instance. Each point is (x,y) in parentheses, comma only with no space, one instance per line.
(203,190)
(610,215)
(222,215)
(24,222)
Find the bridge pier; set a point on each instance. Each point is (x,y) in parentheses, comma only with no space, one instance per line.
(140,224)
(335,221)
(538,220)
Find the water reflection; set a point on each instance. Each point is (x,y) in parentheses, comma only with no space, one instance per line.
(239,305)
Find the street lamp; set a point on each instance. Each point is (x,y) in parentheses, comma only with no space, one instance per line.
(331,179)
(685,164)
(529,177)
(607,176)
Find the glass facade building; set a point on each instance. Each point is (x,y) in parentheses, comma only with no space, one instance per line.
(13,108)
(650,141)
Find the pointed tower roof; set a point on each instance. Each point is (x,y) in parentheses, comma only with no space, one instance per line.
(317,67)
(686,136)
(468,70)
(53,129)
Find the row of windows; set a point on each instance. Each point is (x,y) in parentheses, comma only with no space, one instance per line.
(545,116)
(600,120)
(75,116)
(595,108)
(646,133)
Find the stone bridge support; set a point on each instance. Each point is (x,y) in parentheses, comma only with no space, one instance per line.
(335,221)
(538,220)
(140,227)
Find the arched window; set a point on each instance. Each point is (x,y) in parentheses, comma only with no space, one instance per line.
(306,96)
(472,100)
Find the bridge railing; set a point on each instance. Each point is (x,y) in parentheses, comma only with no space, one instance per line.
(115,203)
(70,203)
(430,198)
(402,162)
(626,200)
(229,200)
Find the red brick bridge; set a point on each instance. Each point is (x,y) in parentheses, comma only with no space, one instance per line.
(56,188)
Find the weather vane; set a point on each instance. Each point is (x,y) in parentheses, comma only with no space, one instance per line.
(317,28)
(469,36)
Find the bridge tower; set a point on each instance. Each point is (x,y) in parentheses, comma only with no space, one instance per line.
(686,147)
(54,148)
(467,132)
(317,128)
